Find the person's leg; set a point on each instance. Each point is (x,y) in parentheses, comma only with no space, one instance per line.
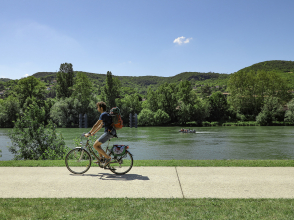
(97,146)
(101,140)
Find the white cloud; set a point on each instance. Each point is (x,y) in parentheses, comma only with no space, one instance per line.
(26,75)
(182,40)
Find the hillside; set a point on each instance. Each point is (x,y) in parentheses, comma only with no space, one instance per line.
(278,65)
(284,68)
(141,83)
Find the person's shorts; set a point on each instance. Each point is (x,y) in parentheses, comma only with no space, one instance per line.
(106,136)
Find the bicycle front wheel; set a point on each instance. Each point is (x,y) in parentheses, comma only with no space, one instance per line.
(78,161)
(121,164)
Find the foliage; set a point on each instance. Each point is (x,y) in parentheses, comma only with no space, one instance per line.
(167,99)
(184,91)
(218,107)
(64,112)
(65,80)
(129,104)
(29,88)
(146,117)
(161,117)
(185,113)
(289,115)
(111,90)
(277,65)
(249,90)
(205,91)
(82,91)
(32,140)
(9,108)
(201,110)
(271,111)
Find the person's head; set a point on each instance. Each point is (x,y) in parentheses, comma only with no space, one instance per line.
(101,106)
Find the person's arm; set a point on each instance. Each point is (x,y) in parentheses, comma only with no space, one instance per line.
(95,128)
(98,128)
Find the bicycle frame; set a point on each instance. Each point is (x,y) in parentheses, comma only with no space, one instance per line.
(91,151)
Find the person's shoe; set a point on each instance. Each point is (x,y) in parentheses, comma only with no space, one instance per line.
(107,161)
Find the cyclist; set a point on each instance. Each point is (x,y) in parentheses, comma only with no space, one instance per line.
(109,132)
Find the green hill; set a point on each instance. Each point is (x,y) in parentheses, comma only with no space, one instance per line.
(278,65)
(141,83)
(284,68)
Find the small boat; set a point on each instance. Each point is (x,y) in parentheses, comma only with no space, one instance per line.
(187,131)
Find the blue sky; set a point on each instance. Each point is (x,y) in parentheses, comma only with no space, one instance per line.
(139,38)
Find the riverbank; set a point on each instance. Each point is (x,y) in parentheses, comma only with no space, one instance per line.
(168,163)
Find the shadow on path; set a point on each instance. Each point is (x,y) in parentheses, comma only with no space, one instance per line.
(107,176)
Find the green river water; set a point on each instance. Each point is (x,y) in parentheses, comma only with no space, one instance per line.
(147,143)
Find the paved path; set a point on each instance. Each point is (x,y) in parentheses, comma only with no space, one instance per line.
(148,182)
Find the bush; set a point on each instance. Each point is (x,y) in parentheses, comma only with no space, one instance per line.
(289,115)
(32,140)
(8,111)
(146,117)
(271,111)
(161,117)
(65,112)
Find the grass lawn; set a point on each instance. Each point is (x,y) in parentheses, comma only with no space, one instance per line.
(110,208)
(184,163)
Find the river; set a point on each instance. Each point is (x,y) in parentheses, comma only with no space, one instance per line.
(207,143)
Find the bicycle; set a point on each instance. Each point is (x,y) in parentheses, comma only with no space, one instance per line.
(79,159)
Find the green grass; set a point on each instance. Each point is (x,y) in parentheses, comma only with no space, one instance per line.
(126,208)
(185,163)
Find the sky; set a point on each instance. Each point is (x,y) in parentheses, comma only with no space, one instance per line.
(143,37)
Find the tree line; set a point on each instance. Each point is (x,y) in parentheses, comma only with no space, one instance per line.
(254,95)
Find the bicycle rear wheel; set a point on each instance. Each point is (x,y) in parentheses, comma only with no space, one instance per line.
(121,164)
(78,161)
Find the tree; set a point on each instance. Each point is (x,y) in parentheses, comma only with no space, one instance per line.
(111,90)
(9,108)
(65,80)
(129,104)
(289,115)
(218,106)
(146,117)
(152,99)
(271,111)
(184,91)
(64,112)
(167,100)
(185,113)
(201,110)
(82,90)
(205,91)
(161,117)
(32,88)
(32,140)
(249,90)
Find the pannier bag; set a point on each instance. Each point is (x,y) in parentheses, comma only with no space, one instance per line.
(117,122)
(118,150)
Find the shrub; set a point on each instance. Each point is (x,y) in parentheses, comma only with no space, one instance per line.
(289,116)
(161,117)
(32,140)
(146,117)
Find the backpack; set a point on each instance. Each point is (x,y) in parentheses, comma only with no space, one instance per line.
(117,122)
